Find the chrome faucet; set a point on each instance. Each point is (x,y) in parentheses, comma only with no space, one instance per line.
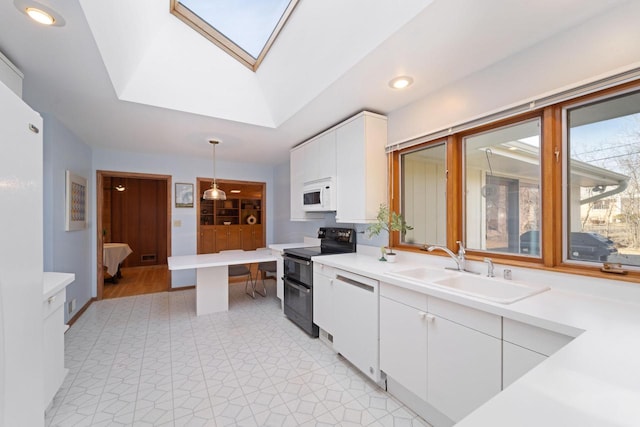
(490,272)
(459,259)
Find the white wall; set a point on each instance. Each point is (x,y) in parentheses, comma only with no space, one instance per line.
(595,48)
(186,170)
(66,251)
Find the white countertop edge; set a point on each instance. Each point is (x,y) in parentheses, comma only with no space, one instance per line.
(54,282)
(188,262)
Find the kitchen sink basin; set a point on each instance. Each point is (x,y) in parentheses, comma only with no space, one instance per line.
(422,274)
(496,290)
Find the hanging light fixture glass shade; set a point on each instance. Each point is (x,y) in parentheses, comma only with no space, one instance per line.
(214,193)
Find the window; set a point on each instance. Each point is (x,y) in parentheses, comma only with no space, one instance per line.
(603,177)
(556,187)
(502,189)
(424,195)
(245,29)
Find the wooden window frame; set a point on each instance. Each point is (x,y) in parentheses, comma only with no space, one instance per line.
(552,164)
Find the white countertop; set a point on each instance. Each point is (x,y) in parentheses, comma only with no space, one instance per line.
(592,381)
(186,262)
(55,282)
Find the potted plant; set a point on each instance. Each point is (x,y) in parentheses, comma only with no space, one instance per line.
(388,221)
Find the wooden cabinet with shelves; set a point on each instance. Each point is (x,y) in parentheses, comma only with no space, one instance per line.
(235,223)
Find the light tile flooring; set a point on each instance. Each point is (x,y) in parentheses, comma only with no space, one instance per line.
(149,360)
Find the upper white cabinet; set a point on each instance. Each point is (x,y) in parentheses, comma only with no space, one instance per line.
(361,168)
(352,153)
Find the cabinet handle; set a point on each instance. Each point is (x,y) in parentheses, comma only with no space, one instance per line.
(430,317)
(51,299)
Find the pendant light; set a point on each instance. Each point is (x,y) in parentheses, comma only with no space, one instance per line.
(214,193)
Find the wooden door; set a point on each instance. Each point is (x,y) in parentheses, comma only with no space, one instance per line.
(246,236)
(257,232)
(139,219)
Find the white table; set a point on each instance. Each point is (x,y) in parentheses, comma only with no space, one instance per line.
(212,275)
(113,254)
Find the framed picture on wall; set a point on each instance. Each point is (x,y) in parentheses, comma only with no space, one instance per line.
(184,195)
(76,203)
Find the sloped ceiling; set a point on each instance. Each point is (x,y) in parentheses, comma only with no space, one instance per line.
(128,75)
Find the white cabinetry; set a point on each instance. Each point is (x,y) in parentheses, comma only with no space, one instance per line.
(361,168)
(54,297)
(464,358)
(323,298)
(279,274)
(353,154)
(403,338)
(526,346)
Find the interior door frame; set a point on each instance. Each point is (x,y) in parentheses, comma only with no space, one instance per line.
(100,175)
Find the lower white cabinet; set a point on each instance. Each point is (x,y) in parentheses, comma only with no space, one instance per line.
(517,361)
(323,297)
(463,367)
(279,274)
(403,345)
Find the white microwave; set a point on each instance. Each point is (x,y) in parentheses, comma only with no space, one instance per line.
(319,196)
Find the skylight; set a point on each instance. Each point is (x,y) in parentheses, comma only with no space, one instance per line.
(245,29)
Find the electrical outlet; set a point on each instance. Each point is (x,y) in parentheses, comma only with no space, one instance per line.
(72,306)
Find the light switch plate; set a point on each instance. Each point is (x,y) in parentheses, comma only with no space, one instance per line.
(177,223)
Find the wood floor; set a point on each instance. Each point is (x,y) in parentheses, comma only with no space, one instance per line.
(137,281)
(149,280)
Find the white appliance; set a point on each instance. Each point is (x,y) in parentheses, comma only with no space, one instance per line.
(319,195)
(21,263)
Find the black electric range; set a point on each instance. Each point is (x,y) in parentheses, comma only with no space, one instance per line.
(298,274)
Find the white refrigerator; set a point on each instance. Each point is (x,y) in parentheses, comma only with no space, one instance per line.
(21,263)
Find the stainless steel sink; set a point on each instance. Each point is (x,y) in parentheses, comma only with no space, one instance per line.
(492,289)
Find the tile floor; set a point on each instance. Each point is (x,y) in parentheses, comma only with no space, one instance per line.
(149,360)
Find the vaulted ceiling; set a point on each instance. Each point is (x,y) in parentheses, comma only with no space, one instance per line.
(128,75)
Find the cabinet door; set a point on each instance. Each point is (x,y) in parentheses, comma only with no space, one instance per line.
(258,236)
(222,238)
(361,168)
(323,156)
(246,238)
(207,242)
(323,314)
(235,238)
(403,345)
(517,361)
(463,368)
(296,167)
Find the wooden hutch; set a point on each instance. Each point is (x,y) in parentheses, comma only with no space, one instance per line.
(235,223)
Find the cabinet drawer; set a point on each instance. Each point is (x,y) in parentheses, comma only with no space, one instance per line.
(540,340)
(404,296)
(490,324)
(325,270)
(52,303)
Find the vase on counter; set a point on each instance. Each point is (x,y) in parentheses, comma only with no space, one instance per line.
(391,257)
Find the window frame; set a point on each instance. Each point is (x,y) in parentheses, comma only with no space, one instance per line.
(553,223)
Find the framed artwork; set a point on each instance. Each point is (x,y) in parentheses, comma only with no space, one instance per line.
(76,203)
(184,195)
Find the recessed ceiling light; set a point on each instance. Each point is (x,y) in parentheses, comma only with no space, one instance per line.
(40,13)
(401,82)
(40,16)
(234,191)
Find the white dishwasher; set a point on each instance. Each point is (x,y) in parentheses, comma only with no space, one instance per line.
(357,311)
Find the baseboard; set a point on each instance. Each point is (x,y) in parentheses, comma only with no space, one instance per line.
(182,288)
(79,313)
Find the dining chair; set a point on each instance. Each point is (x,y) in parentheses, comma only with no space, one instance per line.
(241,270)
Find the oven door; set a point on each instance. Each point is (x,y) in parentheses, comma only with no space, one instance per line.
(298,269)
(298,305)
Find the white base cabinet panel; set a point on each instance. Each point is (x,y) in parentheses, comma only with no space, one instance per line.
(517,361)
(403,345)
(323,297)
(464,368)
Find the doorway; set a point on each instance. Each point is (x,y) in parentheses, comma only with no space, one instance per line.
(133,218)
